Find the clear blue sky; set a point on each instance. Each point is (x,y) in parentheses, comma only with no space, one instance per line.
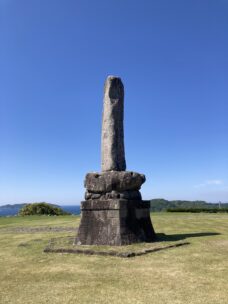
(172,58)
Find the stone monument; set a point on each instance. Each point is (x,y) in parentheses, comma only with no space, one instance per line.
(113,212)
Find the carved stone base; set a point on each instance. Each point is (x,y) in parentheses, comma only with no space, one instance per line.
(115,222)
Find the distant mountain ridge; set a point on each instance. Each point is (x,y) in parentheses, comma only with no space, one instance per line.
(12,206)
(10,209)
(160,204)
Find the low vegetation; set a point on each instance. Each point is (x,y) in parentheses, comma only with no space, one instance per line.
(160,204)
(41,209)
(197,210)
(195,274)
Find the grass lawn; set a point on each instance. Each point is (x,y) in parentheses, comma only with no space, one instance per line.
(195,273)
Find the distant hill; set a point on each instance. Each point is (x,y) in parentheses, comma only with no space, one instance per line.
(160,204)
(13,209)
(41,209)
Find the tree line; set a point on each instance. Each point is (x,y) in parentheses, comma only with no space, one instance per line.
(187,206)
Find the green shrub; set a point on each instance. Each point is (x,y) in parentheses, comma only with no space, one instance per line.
(41,209)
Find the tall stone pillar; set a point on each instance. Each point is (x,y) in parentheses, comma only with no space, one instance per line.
(112,135)
(113,212)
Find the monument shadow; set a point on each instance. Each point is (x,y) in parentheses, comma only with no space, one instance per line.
(162,237)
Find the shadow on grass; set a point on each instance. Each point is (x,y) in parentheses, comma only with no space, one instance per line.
(178,237)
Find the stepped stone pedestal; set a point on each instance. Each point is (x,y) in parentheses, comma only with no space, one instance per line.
(113,212)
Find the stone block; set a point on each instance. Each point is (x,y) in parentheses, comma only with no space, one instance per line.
(119,181)
(112,135)
(115,222)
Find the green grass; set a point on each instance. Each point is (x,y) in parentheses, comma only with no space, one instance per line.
(192,274)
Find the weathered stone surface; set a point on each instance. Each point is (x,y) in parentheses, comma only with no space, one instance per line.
(114,204)
(112,137)
(113,180)
(130,194)
(115,222)
(113,212)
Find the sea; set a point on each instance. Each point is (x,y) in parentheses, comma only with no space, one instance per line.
(72,209)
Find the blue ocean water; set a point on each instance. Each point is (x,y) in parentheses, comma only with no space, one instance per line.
(72,209)
(8,211)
